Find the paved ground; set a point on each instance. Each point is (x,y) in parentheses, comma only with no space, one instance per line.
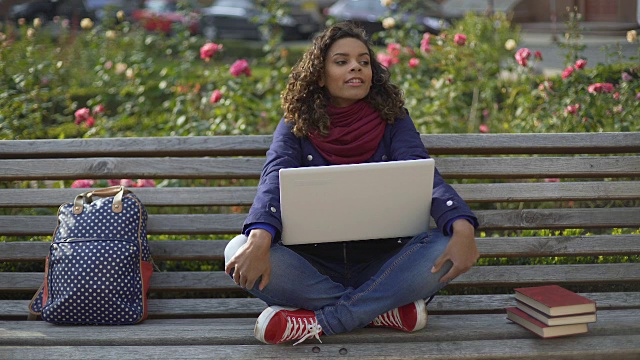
(597,48)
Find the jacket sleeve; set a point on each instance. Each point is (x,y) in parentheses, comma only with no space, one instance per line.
(446,205)
(284,152)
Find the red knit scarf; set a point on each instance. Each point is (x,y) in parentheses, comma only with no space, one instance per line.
(354,134)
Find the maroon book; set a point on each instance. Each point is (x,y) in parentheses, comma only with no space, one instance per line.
(523,319)
(554,300)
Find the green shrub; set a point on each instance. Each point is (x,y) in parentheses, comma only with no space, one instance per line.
(153,85)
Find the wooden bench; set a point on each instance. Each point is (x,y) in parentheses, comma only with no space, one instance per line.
(206,184)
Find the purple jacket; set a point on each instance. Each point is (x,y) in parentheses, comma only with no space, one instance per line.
(401,141)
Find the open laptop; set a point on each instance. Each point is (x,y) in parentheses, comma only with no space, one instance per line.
(356,202)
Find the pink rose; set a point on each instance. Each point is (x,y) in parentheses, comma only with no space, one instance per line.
(113,182)
(424,43)
(638,96)
(240,67)
(484,128)
(572,109)
(216,95)
(82,184)
(537,55)
(616,96)
(413,62)
(567,72)
(626,77)
(126,182)
(600,88)
(580,64)
(208,50)
(545,85)
(552,180)
(409,51)
(98,109)
(82,115)
(90,121)
(394,49)
(460,39)
(384,59)
(145,183)
(522,55)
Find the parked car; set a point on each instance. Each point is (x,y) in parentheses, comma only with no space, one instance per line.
(163,15)
(369,14)
(70,9)
(42,9)
(240,19)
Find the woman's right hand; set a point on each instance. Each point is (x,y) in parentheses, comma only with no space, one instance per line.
(252,261)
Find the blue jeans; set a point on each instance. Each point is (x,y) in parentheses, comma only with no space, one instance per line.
(348,296)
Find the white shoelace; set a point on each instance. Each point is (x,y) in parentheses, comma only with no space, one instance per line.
(301,328)
(390,318)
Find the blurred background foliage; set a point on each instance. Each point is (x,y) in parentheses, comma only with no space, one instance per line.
(151,84)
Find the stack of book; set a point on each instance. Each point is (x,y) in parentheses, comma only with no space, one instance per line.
(552,311)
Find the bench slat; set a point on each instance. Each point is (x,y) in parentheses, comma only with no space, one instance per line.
(252,307)
(134,147)
(558,191)
(232,223)
(530,167)
(243,195)
(513,275)
(147,168)
(225,168)
(164,196)
(160,250)
(157,224)
(567,143)
(620,347)
(558,218)
(440,330)
(570,143)
(212,250)
(598,245)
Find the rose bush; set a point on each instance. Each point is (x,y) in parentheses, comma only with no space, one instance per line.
(115,79)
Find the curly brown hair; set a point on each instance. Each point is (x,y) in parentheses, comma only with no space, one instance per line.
(305,102)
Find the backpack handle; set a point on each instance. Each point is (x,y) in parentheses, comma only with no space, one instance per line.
(87,198)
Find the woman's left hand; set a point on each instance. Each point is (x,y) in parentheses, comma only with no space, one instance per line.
(461,251)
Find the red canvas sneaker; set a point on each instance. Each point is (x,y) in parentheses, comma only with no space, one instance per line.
(278,324)
(410,317)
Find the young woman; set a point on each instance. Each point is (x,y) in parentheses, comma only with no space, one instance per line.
(340,108)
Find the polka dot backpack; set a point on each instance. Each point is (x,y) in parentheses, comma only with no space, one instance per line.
(99,265)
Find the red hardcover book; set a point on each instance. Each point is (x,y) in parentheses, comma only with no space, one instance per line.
(556,320)
(523,319)
(554,300)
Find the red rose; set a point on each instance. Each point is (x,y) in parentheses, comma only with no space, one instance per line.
(522,55)
(567,72)
(208,50)
(215,96)
(460,39)
(240,67)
